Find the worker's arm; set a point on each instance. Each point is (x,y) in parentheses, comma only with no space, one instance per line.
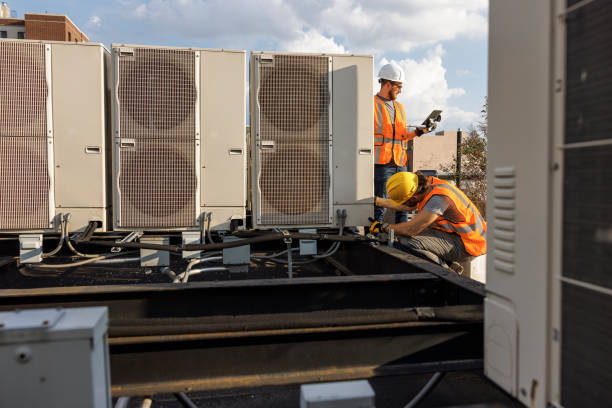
(416,225)
(387,203)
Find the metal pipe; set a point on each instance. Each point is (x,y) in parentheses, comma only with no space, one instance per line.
(433,381)
(146,403)
(197,271)
(184,400)
(116,261)
(122,402)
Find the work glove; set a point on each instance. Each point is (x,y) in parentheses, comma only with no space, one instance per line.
(377,227)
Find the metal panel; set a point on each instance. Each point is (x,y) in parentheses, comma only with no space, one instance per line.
(25,183)
(157,183)
(157,97)
(589,89)
(293,142)
(587,329)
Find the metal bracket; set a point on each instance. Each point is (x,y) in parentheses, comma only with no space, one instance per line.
(129,238)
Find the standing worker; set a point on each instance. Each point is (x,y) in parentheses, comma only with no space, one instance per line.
(447,225)
(391,135)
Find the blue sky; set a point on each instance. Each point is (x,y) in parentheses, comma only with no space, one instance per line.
(441,44)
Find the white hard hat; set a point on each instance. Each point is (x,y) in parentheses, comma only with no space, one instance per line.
(392,72)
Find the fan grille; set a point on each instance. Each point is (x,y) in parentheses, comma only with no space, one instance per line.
(24,173)
(157,98)
(294,177)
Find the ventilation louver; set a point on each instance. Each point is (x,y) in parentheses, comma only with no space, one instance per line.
(293,144)
(24,162)
(157,102)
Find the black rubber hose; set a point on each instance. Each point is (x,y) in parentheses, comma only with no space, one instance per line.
(184,400)
(433,381)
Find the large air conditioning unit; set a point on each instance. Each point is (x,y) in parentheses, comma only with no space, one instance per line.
(548,310)
(179,137)
(311,139)
(53,145)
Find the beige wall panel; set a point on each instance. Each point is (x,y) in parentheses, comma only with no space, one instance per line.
(221,216)
(78,122)
(223,122)
(80,217)
(353,132)
(519,137)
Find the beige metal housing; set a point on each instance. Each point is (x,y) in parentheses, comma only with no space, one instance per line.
(68,91)
(517,331)
(344,156)
(212,133)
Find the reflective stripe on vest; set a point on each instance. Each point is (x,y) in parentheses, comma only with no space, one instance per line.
(389,146)
(472,230)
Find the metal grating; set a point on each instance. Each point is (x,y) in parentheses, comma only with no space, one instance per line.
(157,102)
(294,178)
(157,184)
(589,89)
(157,94)
(24,173)
(23,90)
(24,183)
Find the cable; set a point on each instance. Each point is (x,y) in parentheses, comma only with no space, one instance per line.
(69,244)
(208,233)
(79,263)
(184,400)
(60,244)
(210,269)
(427,388)
(273,255)
(184,276)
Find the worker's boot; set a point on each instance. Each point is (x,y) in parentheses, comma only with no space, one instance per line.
(456,267)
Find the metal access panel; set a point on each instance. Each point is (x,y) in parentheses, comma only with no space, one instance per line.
(55,357)
(296,133)
(52,134)
(156,129)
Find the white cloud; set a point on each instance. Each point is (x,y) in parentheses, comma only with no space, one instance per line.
(426,88)
(313,41)
(94,21)
(363,26)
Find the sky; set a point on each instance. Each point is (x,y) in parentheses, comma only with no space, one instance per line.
(440,44)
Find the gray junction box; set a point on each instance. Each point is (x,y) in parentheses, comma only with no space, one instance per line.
(341,394)
(54,358)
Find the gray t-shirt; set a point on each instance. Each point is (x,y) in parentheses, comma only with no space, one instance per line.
(442,205)
(390,107)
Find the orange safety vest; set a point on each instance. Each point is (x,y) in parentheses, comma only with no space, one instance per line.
(390,139)
(472,229)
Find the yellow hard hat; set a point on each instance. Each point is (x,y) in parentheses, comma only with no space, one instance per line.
(401,186)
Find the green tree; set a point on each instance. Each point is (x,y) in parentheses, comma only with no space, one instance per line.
(473,172)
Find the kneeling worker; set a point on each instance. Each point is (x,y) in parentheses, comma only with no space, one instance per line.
(448,224)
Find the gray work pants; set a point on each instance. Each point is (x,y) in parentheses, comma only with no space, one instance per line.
(444,245)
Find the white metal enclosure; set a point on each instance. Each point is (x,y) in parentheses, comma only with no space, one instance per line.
(52,134)
(311,139)
(179,137)
(549,288)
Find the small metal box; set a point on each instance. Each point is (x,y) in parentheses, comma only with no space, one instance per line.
(308,246)
(191,238)
(54,358)
(341,394)
(30,248)
(154,257)
(238,258)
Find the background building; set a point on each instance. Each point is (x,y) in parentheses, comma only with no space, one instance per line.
(38,26)
(434,151)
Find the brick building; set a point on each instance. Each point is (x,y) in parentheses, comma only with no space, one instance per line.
(38,26)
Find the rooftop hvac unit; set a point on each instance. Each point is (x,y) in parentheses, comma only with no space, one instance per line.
(548,325)
(179,121)
(52,134)
(312,139)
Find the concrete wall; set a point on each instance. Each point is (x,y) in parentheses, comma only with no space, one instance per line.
(12,26)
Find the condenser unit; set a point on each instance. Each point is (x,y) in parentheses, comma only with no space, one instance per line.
(548,308)
(311,139)
(52,134)
(179,137)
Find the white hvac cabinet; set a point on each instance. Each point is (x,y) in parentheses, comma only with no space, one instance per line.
(311,139)
(179,137)
(53,145)
(54,358)
(548,327)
